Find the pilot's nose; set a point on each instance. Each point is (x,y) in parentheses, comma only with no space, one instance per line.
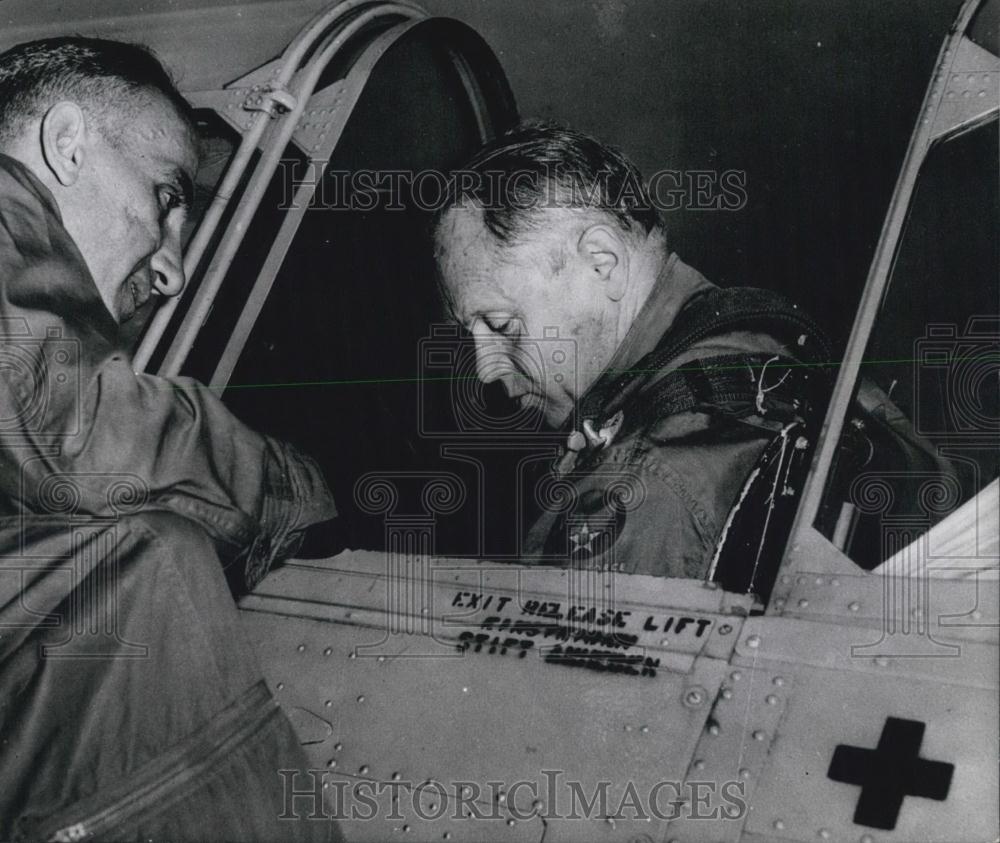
(492,360)
(167,264)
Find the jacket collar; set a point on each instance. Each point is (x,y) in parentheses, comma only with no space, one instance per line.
(36,230)
(589,425)
(675,286)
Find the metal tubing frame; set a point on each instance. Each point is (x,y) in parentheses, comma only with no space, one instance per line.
(300,203)
(319,28)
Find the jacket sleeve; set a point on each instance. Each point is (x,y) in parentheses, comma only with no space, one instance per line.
(113,442)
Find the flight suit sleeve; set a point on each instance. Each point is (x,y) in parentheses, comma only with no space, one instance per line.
(113,442)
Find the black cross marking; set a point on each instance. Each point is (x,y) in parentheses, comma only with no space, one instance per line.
(890,772)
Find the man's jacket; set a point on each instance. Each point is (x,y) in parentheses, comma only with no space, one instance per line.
(131,705)
(650,474)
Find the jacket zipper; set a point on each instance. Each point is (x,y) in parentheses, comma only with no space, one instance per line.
(163,776)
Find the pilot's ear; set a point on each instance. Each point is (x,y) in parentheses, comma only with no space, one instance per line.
(605,255)
(64,135)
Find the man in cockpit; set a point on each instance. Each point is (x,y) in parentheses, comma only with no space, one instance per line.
(130,704)
(677,386)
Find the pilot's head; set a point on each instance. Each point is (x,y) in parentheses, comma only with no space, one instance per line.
(102,126)
(547,231)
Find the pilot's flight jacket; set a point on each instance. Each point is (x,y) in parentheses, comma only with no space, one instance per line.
(130,705)
(656,464)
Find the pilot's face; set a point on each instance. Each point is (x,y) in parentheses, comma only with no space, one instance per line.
(139,191)
(539,327)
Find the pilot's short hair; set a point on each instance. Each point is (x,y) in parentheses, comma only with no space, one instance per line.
(110,80)
(539,165)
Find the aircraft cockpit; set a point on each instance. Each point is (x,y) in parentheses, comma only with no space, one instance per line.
(834,678)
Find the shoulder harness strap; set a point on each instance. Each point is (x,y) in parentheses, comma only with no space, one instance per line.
(736,385)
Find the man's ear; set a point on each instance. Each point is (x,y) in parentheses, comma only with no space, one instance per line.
(606,256)
(64,135)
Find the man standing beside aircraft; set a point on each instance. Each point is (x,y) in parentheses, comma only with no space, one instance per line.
(677,385)
(131,706)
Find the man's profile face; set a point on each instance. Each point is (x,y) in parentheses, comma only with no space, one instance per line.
(130,205)
(513,299)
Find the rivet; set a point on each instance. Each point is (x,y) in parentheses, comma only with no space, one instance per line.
(753,642)
(510,823)
(361,698)
(364,770)
(803,603)
(736,676)
(725,629)
(778,680)
(779,603)
(628,728)
(664,642)
(779,824)
(854,605)
(771,699)
(396,777)
(693,698)
(331,763)
(537,804)
(727,694)
(447,835)
(352,655)
(301,648)
(644,729)
(502,798)
(328,703)
(713,728)
(380,659)
(406,828)
(328,651)
(699,764)
(759,735)
(976,614)
(338,746)
(465,690)
(881,661)
(819,581)
(867,838)
(801,443)
(744,773)
(280,686)
(824,833)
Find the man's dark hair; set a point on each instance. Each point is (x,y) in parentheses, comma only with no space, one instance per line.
(110,80)
(541,165)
